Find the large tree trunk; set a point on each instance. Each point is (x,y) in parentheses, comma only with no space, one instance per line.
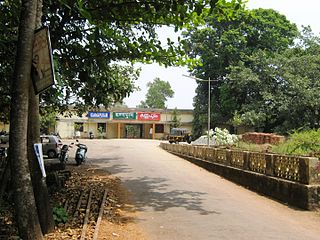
(39,183)
(25,208)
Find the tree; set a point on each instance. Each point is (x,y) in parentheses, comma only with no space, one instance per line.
(27,218)
(280,93)
(41,193)
(87,39)
(175,120)
(221,44)
(47,120)
(8,46)
(158,93)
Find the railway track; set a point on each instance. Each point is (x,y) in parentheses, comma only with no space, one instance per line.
(89,196)
(85,211)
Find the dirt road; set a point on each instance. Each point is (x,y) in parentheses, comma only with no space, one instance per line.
(178,200)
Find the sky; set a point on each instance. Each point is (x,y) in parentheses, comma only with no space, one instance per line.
(299,12)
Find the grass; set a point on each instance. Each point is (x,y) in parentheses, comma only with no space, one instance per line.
(253,147)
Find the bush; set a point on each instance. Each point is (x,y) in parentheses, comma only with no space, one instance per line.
(301,143)
(222,137)
(60,215)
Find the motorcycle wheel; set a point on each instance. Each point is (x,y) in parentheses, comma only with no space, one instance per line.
(78,161)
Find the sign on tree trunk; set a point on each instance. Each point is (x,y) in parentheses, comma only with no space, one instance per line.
(42,63)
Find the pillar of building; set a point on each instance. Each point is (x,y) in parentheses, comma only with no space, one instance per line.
(119,131)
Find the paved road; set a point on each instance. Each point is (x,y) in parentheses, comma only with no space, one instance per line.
(178,200)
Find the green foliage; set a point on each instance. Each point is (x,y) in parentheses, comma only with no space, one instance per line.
(237,120)
(60,215)
(77,126)
(158,93)
(142,104)
(132,131)
(282,91)
(88,37)
(249,118)
(175,121)
(228,50)
(301,143)
(252,147)
(8,41)
(47,120)
(101,131)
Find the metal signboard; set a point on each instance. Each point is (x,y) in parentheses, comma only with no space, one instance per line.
(145,116)
(42,63)
(99,115)
(38,151)
(124,115)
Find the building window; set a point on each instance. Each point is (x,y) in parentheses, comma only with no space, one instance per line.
(102,126)
(159,128)
(78,127)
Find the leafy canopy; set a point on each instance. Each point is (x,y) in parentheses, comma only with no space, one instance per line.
(158,93)
(222,44)
(89,37)
(284,89)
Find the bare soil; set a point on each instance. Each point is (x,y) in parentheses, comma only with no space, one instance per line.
(118,219)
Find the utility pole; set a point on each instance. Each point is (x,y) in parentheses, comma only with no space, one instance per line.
(209,100)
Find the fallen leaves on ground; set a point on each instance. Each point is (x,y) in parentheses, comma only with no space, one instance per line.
(118,214)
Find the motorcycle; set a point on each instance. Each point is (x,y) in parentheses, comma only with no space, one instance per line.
(64,155)
(81,152)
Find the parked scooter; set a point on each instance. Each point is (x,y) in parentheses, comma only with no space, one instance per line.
(81,152)
(64,155)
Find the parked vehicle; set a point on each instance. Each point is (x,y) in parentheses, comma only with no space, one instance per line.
(179,135)
(81,152)
(64,154)
(51,145)
(4,138)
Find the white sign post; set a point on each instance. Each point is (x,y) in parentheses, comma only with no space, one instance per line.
(38,151)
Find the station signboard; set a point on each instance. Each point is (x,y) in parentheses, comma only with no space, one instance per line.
(124,115)
(148,116)
(99,115)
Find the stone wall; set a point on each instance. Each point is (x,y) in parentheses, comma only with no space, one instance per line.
(291,179)
(262,138)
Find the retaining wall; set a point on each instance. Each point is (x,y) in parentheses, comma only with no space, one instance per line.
(290,179)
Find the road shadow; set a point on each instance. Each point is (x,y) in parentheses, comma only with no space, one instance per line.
(152,192)
(111,165)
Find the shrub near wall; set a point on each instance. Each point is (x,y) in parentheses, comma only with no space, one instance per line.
(291,179)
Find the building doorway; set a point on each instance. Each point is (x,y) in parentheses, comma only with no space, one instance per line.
(133,131)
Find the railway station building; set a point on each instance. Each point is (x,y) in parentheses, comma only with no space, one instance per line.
(123,123)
